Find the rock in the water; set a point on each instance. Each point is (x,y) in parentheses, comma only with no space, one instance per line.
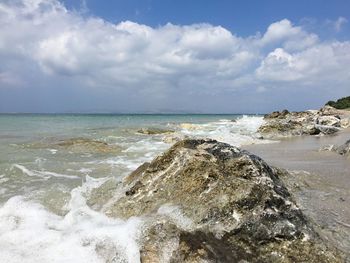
(212,202)
(343,149)
(86,145)
(153,131)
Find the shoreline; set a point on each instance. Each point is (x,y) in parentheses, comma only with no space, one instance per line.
(205,165)
(319,181)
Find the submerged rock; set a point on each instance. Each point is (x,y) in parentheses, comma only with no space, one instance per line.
(76,145)
(86,145)
(190,126)
(324,121)
(211,202)
(153,131)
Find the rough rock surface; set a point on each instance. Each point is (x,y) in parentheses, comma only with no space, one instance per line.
(324,121)
(208,201)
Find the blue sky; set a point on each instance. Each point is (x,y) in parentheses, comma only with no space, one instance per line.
(244,17)
(172,56)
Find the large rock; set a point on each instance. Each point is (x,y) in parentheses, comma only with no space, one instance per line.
(289,124)
(207,201)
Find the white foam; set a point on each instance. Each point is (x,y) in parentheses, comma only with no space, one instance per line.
(53,151)
(175,213)
(42,174)
(241,131)
(30,233)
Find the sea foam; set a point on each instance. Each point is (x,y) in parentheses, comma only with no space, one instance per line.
(30,233)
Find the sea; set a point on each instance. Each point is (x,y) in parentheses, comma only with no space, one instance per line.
(50,164)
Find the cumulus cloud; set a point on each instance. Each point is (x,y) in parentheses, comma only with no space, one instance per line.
(47,46)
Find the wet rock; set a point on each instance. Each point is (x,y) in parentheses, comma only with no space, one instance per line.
(234,208)
(97,197)
(329,148)
(86,145)
(190,126)
(153,131)
(343,149)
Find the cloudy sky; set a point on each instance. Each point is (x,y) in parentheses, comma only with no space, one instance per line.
(172,56)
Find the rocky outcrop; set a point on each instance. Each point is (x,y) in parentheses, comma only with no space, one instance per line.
(206,201)
(325,121)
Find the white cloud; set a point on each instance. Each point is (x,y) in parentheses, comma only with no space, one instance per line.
(338,24)
(315,64)
(43,43)
(290,37)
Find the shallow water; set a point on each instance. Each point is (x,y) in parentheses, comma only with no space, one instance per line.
(49,165)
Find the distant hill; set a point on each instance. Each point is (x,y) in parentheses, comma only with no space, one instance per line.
(343,103)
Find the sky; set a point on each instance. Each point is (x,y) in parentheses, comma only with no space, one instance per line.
(167,56)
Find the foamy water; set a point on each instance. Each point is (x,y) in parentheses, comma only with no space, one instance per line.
(45,182)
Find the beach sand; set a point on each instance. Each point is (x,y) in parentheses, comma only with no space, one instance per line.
(320,181)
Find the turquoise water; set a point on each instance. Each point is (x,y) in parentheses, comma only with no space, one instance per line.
(49,165)
(29,143)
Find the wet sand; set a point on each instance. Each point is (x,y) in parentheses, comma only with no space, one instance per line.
(320,181)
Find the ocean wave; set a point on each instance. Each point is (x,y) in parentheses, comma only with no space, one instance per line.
(30,233)
(240,131)
(42,174)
